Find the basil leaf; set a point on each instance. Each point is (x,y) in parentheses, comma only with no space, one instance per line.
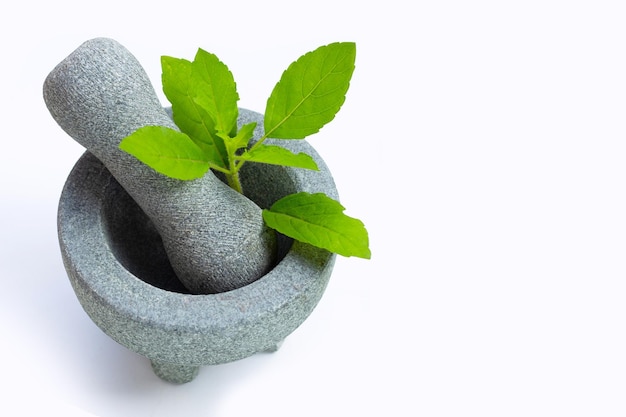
(277,155)
(167,151)
(310,92)
(215,91)
(319,220)
(180,87)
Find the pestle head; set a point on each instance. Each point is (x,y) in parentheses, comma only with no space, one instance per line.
(215,238)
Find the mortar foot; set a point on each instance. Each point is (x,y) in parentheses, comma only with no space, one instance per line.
(174,373)
(275,347)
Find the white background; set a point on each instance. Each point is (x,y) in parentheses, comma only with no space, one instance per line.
(483,144)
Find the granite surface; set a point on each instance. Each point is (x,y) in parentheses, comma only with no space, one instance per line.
(215,238)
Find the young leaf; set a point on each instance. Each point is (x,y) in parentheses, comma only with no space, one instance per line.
(310,92)
(179,87)
(242,138)
(215,91)
(167,151)
(319,220)
(277,155)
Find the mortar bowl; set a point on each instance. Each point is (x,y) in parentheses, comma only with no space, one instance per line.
(121,276)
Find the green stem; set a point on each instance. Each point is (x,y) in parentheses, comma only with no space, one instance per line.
(234,165)
(234,182)
(232,177)
(220,169)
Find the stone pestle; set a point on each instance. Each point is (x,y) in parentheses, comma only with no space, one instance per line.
(215,238)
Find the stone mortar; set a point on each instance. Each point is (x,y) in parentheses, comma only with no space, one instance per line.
(119,271)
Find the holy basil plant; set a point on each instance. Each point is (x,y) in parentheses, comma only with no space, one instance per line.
(204,100)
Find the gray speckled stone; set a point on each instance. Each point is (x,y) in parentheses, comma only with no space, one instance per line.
(214,237)
(121,276)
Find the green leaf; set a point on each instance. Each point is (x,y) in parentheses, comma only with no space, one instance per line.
(277,155)
(179,87)
(215,91)
(319,220)
(242,138)
(310,92)
(167,151)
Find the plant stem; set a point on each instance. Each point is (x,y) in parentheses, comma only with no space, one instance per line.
(232,174)
(234,183)
(232,177)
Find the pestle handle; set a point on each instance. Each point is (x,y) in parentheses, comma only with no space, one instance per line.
(100,94)
(215,238)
